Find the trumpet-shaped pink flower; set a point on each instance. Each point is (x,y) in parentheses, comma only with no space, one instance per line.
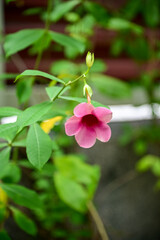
(89,123)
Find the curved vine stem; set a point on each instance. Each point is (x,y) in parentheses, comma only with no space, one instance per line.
(98,221)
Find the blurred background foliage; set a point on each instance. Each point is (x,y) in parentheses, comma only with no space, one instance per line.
(114,30)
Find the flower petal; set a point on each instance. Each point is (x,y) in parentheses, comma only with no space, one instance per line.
(103,132)
(103,114)
(72,126)
(86,137)
(83,109)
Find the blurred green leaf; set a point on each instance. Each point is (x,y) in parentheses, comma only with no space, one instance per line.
(9,111)
(20,40)
(67,41)
(38,146)
(151,12)
(5,76)
(98,12)
(4,235)
(119,24)
(117,46)
(33,11)
(4,159)
(146,163)
(156,167)
(11,173)
(72,167)
(80,100)
(64,67)
(33,114)
(24,222)
(140,146)
(131,8)
(22,195)
(53,91)
(98,66)
(139,49)
(61,9)
(38,73)
(71,192)
(8,131)
(24,90)
(110,86)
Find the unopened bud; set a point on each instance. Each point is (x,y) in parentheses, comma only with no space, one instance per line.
(87,90)
(90,59)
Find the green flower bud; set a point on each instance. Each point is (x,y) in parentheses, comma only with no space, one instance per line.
(90,59)
(87,89)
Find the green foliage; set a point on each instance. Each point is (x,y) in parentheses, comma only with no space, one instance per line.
(22,195)
(119,24)
(149,162)
(8,131)
(110,86)
(33,114)
(67,41)
(151,12)
(24,90)
(20,40)
(11,173)
(80,100)
(61,9)
(38,73)
(75,181)
(38,146)
(9,111)
(53,91)
(4,159)
(24,222)
(4,235)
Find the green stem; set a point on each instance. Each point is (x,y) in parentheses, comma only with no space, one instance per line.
(98,221)
(47,26)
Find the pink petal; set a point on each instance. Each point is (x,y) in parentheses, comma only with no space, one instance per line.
(72,126)
(103,132)
(86,137)
(83,109)
(103,114)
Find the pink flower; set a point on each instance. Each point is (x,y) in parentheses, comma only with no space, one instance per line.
(89,123)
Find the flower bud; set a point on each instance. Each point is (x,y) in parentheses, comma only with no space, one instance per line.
(89,59)
(87,89)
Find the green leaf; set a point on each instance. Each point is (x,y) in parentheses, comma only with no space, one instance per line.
(53,91)
(4,159)
(72,167)
(110,86)
(80,100)
(20,40)
(97,11)
(4,235)
(61,9)
(71,192)
(8,131)
(38,147)
(24,222)
(156,167)
(39,73)
(11,173)
(9,111)
(22,195)
(33,114)
(151,12)
(146,163)
(24,90)
(119,24)
(67,41)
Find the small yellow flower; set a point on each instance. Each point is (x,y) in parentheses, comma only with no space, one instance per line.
(3,197)
(49,124)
